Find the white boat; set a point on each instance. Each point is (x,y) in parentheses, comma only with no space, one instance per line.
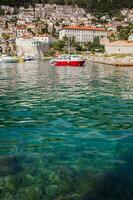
(29,58)
(1,60)
(9,59)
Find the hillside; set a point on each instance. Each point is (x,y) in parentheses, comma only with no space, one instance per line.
(90,5)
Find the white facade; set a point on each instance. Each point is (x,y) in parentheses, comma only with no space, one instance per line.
(44,39)
(20,32)
(28,46)
(82,34)
(20,22)
(130,37)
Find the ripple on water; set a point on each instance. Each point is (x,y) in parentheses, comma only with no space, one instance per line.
(64,132)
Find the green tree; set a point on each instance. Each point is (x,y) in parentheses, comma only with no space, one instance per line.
(5,36)
(2,12)
(79,47)
(46,28)
(124,32)
(53,31)
(58,45)
(96,46)
(6,24)
(72,41)
(65,39)
(101,6)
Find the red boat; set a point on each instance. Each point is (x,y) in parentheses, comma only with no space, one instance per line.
(68,60)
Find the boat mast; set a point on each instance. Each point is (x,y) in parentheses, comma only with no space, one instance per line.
(69,45)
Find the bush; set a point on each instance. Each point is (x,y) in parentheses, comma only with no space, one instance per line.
(51,52)
(58,45)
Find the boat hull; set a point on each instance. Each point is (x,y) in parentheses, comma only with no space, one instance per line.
(29,58)
(10,60)
(70,63)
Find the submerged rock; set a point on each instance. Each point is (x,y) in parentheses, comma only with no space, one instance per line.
(52,191)
(9,165)
(26,180)
(10,184)
(54,178)
(28,193)
(2,184)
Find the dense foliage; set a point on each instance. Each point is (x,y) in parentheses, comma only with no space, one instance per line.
(90,5)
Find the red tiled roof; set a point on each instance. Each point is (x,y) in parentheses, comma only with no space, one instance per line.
(84,28)
(44,35)
(25,37)
(21,27)
(29,24)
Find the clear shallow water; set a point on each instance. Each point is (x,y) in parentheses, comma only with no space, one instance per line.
(66,133)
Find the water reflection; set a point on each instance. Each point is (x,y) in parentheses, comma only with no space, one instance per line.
(64,132)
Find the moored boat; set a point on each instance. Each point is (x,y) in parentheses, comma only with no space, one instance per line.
(68,60)
(29,58)
(9,59)
(1,60)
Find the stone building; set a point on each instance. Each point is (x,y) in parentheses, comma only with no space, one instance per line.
(119,47)
(33,46)
(21,31)
(82,34)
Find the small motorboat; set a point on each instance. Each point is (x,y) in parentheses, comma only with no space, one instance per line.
(1,60)
(9,59)
(68,60)
(29,58)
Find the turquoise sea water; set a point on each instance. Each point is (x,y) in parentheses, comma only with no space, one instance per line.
(66,133)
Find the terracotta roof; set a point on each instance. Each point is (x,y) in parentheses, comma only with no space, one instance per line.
(25,37)
(84,28)
(44,35)
(21,27)
(29,24)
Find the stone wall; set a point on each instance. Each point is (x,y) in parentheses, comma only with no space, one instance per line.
(127,61)
(119,49)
